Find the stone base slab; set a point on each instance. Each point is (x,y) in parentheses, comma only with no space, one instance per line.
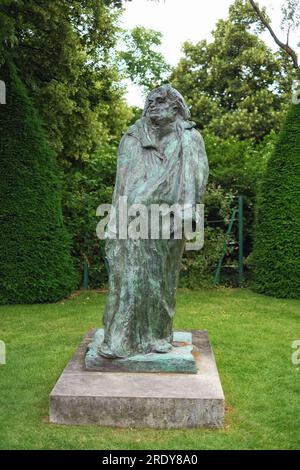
(155,400)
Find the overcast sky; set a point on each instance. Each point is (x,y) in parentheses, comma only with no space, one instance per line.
(182,20)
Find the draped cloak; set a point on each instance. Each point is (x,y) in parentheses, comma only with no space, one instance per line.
(144,273)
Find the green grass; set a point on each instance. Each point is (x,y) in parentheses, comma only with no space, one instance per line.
(251,336)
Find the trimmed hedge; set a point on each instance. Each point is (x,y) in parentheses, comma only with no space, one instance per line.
(35,261)
(276,255)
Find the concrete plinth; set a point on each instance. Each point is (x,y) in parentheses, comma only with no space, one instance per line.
(156,400)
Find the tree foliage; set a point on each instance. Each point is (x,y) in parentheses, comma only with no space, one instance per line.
(62,50)
(235,85)
(144,65)
(290,15)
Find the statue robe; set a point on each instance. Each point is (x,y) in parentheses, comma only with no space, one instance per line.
(144,273)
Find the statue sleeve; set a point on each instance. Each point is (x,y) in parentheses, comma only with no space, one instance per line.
(195,168)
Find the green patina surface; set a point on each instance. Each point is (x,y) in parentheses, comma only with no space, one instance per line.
(179,359)
(162,160)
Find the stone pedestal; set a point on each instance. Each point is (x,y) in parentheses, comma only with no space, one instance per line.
(126,399)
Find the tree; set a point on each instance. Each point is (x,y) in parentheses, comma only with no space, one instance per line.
(275,257)
(235,85)
(144,65)
(290,21)
(35,261)
(63,51)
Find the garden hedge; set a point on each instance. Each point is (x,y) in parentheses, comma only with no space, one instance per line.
(276,255)
(35,261)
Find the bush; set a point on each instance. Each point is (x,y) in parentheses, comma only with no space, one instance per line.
(198,267)
(85,190)
(35,261)
(276,255)
(238,166)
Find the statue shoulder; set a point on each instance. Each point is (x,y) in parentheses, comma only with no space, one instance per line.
(132,130)
(193,134)
(135,129)
(129,138)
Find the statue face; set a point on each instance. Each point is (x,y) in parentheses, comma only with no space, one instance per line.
(161,109)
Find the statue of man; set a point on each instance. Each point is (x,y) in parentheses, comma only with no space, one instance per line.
(162,160)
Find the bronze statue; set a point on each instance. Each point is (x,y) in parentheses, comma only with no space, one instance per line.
(162,160)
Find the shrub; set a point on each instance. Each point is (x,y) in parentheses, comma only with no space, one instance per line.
(35,261)
(198,267)
(85,189)
(276,255)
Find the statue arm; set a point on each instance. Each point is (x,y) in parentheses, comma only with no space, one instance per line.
(123,164)
(200,163)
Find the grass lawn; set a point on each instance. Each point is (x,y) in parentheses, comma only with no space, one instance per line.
(251,336)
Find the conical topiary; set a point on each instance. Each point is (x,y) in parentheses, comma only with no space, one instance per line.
(35,261)
(276,255)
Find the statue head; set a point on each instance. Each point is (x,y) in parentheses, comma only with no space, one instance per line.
(165,104)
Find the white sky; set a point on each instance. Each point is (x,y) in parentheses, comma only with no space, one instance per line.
(182,20)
